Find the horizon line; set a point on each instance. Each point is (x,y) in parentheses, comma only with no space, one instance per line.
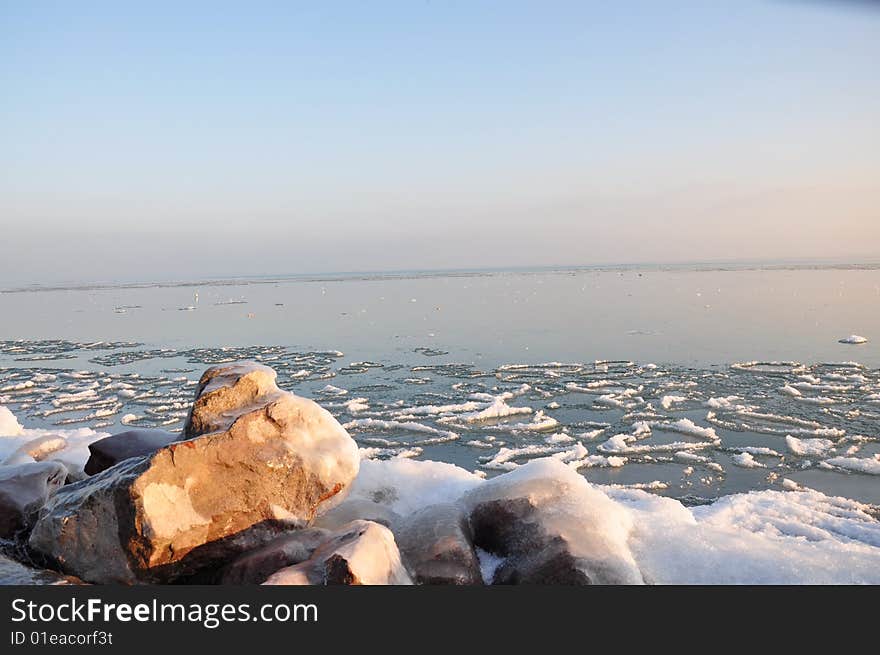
(402,274)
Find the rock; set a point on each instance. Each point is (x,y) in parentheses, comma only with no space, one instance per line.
(550,526)
(361,553)
(255,566)
(436,546)
(24,489)
(274,462)
(14,573)
(224,391)
(111,450)
(357,508)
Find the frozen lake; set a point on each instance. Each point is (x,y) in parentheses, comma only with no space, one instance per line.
(689,383)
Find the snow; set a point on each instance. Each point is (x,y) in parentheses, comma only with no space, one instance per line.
(667,401)
(406,485)
(688,427)
(540,423)
(489,563)
(498,409)
(766,537)
(726,402)
(618,444)
(746,460)
(9,425)
(357,405)
(20,445)
(558,438)
(691,457)
(854,339)
(808,447)
(870,465)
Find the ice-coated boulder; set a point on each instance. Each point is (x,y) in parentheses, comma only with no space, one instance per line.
(24,489)
(436,545)
(255,566)
(225,391)
(550,526)
(111,450)
(271,462)
(360,553)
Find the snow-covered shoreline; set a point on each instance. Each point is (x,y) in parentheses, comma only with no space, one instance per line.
(792,536)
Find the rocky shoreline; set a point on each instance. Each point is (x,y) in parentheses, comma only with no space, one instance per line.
(255,490)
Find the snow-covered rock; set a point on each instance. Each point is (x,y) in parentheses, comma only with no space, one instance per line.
(24,489)
(275,459)
(551,527)
(360,553)
(437,547)
(291,548)
(854,339)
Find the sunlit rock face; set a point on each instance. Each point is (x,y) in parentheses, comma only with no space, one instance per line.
(258,460)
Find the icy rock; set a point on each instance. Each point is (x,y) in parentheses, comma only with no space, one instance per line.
(551,527)
(111,450)
(255,566)
(15,573)
(24,490)
(361,553)
(277,461)
(436,545)
(9,425)
(353,509)
(223,392)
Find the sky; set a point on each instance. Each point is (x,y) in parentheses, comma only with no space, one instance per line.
(168,140)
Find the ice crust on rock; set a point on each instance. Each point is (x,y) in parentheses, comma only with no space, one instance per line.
(359,553)
(563,506)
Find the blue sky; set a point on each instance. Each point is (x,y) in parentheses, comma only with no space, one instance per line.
(160,141)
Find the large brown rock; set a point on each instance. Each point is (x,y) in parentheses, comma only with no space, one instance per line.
(24,490)
(271,461)
(436,546)
(360,553)
(111,450)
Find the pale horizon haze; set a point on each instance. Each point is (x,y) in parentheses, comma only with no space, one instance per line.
(195,140)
